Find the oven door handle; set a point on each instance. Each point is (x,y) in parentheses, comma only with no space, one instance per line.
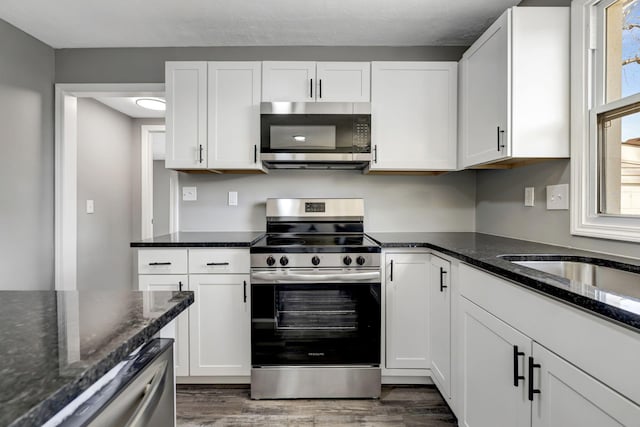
(294,278)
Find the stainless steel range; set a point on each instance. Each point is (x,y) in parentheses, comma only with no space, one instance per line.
(315,315)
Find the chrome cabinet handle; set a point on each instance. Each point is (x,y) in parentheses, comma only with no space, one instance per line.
(159,263)
(217,263)
(153,392)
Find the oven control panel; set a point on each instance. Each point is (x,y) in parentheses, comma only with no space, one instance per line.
(316,260)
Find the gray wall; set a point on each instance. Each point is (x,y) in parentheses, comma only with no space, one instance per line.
(500,208)
(105,151)
(146,65)
(26,163)
(161,199)
(392,203)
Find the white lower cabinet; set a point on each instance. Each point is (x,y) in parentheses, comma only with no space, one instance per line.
(490,395)
(220,325)
(570,397)
(440,323)
(407,310)
(510,380)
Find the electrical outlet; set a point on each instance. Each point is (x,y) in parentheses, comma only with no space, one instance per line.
(90,207)
(529,196)
(558,197)
(189,194)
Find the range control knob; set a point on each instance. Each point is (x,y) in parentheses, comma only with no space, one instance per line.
(284,261)
(347,260)
(315,260)
(270,261)
(361,260)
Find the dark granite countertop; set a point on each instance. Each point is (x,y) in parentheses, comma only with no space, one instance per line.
(483,250)
(205,239)
(54,345)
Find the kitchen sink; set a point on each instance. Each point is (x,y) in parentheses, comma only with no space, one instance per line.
(587,273)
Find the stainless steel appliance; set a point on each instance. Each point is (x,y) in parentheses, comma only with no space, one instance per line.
(317,135)
(315,314)
(140,392)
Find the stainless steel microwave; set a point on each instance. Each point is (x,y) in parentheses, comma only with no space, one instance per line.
(321,135)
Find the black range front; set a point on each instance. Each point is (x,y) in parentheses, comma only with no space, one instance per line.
(316,324)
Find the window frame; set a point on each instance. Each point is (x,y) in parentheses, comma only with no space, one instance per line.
(587,101)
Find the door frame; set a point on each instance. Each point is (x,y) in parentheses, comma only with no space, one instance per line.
(146,185)
(66,144)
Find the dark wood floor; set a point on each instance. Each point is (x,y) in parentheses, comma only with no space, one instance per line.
(205,405)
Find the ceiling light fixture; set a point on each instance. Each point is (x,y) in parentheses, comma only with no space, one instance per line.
(152,104)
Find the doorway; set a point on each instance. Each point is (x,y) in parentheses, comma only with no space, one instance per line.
(74,202)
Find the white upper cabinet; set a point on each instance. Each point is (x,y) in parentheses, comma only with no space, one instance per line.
(213,115)
(301,81)
(343,82)
(186,115)
(414,116)
(514,89)
(288,81)
(234,115)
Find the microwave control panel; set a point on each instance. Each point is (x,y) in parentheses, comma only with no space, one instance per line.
(362,135)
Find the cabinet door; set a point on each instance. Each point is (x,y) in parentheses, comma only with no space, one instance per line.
(220,321)
(343,81)
(288,81)
(570,397)
(440,323)
(171,283)
(186,115)
(490,397)
(234,115)
(414,111)
(407,311)
(485,96)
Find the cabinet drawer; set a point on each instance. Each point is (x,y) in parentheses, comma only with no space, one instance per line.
(162,261)
(212,261)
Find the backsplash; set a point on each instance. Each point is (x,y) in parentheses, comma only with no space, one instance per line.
(392,203)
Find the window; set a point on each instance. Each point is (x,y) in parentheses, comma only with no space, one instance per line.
(606,118)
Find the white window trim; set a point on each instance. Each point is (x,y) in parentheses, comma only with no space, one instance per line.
(585,220)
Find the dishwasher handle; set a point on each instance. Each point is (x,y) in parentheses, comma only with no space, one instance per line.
(153,392)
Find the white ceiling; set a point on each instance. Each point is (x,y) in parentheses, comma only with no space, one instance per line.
(128,106)
(138,23)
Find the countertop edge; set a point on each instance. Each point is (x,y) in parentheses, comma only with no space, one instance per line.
(610,313)
(203,244)
(56,401)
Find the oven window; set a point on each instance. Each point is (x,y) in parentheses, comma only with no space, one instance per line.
(315,324)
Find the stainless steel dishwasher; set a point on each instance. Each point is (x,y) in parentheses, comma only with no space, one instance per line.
(140,394)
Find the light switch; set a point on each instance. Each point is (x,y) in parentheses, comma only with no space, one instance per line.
(189,194)
(529,196)
(558,197)
(90,206)
(233,198)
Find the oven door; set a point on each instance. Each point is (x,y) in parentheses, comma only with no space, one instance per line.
(298,321)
